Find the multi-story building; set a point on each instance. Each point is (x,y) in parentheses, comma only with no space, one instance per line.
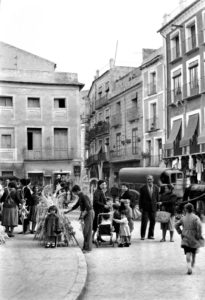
(39,117)
(184,37)
(153,106)
(115,134)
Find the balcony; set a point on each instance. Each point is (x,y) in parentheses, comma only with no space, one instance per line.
(193,88)
(101,128)
(151,124)
(153,161)
(177,94)
(8,154)
(101,102)
(132,114)
(191,43)
(152,89)
(175,52)
(125,154)
(116,120)
(49,154)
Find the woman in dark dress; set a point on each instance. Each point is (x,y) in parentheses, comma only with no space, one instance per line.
(10,209)
(99,204)
(33,208)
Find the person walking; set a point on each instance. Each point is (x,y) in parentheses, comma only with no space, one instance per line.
(86,216)
(149,196)
(167,203)
(191,234)
(99,205)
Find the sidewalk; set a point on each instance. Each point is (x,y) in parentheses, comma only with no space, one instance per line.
(29,271)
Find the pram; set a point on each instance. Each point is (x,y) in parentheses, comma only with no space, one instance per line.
(104,228)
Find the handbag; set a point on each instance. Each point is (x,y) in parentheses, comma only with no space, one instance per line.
(162,216)
(136,213)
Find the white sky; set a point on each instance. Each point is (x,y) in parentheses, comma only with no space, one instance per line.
(81,35)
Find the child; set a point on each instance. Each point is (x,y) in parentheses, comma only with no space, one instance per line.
(52,227)
(124,230)
(23,212)
(116,215)
(128,213)
(191,234)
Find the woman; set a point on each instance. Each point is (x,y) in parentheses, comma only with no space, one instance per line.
(99,205)
(167,202)
(191,234)
(10,209)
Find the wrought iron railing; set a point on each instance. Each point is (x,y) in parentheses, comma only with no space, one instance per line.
(48,153)
(152,124)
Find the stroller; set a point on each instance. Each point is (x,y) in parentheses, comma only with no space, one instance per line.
(104,228)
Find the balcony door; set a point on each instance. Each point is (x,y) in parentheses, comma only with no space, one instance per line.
(60,143)
(34,143)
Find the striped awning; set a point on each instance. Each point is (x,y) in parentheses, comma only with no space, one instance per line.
(190,130)
(173,135)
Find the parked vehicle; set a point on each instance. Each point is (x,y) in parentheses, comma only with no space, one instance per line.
(136,177)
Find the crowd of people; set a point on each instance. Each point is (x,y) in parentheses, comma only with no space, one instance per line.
(20,202)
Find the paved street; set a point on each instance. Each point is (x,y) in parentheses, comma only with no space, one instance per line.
(147,270)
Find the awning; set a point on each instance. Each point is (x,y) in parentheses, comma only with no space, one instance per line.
(99,149)
(190,130)
(201,138)
(173,135)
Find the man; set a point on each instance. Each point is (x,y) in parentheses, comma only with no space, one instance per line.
(87,215)
(149,196)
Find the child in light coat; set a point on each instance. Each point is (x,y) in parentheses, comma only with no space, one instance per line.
(124,230)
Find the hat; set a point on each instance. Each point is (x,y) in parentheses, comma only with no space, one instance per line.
(23,181)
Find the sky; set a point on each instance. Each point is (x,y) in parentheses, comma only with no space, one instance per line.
(81,36)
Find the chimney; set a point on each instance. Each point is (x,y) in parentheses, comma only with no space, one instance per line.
(97,74)
(165,19)
(112,63)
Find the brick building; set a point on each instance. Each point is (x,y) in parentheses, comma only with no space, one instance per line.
(39,118)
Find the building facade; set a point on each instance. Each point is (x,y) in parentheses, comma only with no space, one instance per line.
(39,118)
(184,37)
(154,110)
(114,136)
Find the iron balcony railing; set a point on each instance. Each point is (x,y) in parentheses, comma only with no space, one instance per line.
(125,153)
(177,94)
(153,160)
(132,114)
(152,124)
(191,43)
(175,52)
(48,153)
(101,102)
(193,87)
(97,158)
(101,128)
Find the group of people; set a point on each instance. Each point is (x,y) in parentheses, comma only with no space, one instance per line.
(19,206)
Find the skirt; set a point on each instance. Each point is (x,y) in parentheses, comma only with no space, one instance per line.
(10,216)
(169,225)
(33,213)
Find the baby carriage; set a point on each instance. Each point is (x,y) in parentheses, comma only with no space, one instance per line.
(104,228)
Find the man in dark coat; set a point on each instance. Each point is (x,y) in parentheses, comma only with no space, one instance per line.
(149,196)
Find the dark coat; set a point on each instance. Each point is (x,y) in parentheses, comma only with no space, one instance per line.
(99,201)
(168,202)
(146,202)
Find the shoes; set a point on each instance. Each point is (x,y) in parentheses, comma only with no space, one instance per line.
(142,238)
(53,245)
(11,235)
(171,240)
(126,245)
(86,251)
(47,245)
(150,238)
(189,272)
(121,245)
(99,239)
(162,240)
(20,232)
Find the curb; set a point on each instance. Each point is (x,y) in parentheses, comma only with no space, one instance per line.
(78,287)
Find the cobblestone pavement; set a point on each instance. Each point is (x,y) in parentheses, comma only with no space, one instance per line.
(147,270)
(29,271)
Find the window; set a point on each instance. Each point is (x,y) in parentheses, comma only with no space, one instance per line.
(6,101)
(100,91)
(107,115)
(153,120)
(203,24)
(118,107)
(61,138)
(194,81)
(134,141)
(175,47)
(177,86)
(7,173)
(59,103)
(152,83)
(6,141)
(33,102)
(34,138)
(118,143)
(107,88)
(191,33)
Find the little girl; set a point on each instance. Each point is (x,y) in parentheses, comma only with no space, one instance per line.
(52,227)
(124,230)
(191,234)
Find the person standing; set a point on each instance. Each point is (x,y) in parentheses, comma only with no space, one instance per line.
(10,209)
(114,192)
(191,234)
(167,202)
(86,216)
(149,196)
(99,205)
(26,194)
